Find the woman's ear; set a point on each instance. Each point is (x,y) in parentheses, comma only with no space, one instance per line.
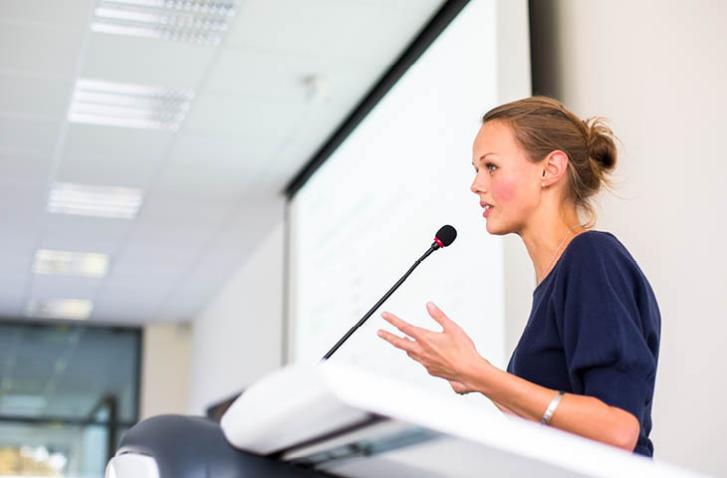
(555,166)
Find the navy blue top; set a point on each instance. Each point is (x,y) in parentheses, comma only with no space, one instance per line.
(594,330)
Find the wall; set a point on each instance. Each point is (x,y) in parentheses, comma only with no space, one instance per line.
(657,70)
(513,78)
(238,337)
(165,369)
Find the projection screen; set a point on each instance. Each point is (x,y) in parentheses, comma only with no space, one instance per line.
(373,207)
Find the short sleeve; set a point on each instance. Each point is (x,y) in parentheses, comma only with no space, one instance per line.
(599,322)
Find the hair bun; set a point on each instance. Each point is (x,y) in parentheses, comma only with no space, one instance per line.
(601,145)
(542,125)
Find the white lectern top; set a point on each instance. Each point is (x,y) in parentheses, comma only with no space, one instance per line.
(350,422)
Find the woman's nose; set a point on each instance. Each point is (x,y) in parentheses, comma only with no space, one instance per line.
(478,185)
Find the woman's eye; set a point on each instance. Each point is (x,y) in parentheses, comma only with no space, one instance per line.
(491,167)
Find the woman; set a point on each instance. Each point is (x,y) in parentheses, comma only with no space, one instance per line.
(586,361)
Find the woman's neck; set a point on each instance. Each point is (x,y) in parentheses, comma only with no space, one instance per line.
(546,237)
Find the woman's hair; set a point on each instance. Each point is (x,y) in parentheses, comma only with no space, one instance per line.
(542,125)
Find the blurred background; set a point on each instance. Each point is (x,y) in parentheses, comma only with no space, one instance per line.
(162,182)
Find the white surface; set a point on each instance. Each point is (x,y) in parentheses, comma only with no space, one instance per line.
(238,337)
(131,465)
(268,417)
(285,408)
(374,206)
(657,71)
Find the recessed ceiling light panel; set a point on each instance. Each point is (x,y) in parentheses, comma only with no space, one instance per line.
(78,309)
(85,264)
(128,105)
(195,21)
(98,201)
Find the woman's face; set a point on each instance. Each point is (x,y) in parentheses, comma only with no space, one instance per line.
(507,181)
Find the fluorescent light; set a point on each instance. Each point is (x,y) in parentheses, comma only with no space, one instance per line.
(78,309)
(99,201)
(194,21)
(85,264)
(129,105)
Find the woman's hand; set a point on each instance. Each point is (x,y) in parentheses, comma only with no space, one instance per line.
(449,354)
(459,387)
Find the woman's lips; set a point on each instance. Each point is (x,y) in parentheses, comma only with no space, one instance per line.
(487,211)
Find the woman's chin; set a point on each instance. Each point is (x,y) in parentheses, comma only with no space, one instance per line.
(490,227)
(493,229)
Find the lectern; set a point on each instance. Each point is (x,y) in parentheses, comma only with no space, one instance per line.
(332,419)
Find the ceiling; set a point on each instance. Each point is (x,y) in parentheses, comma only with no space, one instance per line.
(284,76)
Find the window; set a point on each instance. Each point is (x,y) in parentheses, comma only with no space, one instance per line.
(67,393)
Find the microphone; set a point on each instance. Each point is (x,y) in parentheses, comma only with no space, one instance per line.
(444,237)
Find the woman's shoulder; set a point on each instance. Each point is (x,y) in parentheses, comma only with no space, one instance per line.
(593,244)
(600,249)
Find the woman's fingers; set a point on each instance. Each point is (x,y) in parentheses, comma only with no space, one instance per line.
(458,387)
(406,327)
(404,343)
(439,316)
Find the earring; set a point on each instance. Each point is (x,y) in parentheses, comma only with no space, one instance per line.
(542,184)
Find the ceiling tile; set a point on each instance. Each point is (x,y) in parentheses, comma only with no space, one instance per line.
(150,252)
(187,235)
(331,28)
(16,282)
(74,15)
(211,180)
(65,287)
(126,314)
(130,300)
(85,234)
(245,120)
(133,292)
(284,77)
(199,149)
(109,156)
(175,210)
(126,270)
(28,136)
(25,166)
(30,95)
(145,61)
(21,196)
(39,49)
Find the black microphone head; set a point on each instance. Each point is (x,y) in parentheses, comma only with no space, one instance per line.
(445,235)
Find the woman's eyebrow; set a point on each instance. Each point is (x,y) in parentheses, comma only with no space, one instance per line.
(481,158)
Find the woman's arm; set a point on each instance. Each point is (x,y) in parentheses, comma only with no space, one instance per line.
(451,355)
(579,414)
(461,389)
(504,409)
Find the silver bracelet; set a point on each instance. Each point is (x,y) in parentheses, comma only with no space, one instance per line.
(551,408)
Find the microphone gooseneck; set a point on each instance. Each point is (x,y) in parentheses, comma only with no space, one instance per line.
(444,237)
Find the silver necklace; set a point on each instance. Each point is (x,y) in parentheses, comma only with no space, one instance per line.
(555,256)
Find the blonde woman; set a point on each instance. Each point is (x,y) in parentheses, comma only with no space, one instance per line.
(586,361)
